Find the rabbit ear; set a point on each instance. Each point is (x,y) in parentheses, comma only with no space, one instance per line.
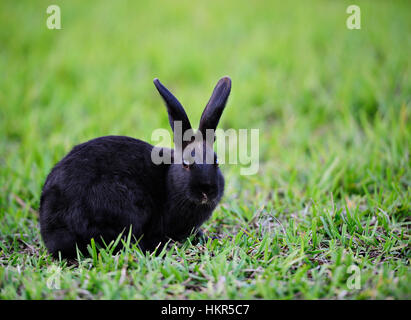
(215,106)
(174,108)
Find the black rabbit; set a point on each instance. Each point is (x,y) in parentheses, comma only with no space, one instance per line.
(104,186)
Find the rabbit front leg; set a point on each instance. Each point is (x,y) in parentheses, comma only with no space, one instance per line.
(200,237)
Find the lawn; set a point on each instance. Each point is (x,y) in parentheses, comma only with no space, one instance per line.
(326,216)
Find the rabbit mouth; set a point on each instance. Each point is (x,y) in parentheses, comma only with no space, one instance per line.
(204,198)
(201,199)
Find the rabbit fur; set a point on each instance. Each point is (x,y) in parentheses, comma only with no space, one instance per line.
(104,186)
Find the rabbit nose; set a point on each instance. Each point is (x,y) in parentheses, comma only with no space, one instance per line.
(205,198)
(208,190)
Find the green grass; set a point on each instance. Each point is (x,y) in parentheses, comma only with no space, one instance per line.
(332,106)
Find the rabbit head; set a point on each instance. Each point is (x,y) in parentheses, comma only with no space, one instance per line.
(194,170)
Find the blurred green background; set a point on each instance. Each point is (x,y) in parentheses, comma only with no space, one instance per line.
(332,104)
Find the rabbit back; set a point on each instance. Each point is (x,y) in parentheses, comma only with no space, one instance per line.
(98,190)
